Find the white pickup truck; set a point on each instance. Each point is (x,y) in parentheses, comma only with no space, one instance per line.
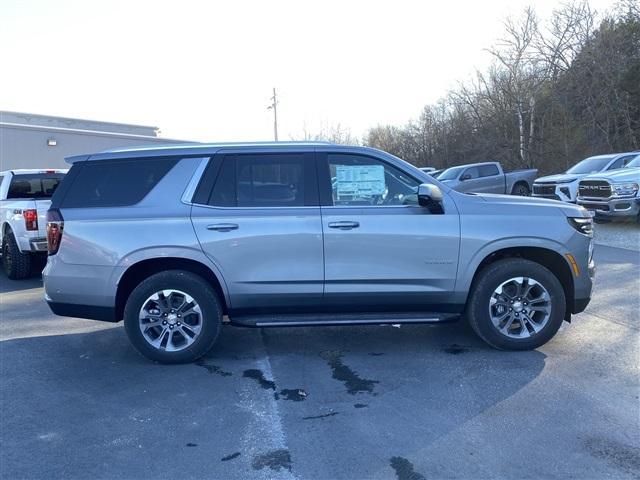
(25,196)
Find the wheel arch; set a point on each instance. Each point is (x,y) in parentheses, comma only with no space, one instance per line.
(548,258)
(520,182)
(143,269)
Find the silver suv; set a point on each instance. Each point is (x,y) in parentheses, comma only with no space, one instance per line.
(178,240)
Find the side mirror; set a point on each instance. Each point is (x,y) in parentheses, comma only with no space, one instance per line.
(428,195)
(464,177)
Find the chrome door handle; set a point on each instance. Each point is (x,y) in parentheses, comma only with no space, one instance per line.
(344,225)
(223,227)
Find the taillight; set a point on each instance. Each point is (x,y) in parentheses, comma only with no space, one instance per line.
(55,225)
(30,219)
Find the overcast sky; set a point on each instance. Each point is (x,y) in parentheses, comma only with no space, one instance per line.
(204,70)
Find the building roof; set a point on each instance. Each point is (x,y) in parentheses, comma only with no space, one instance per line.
(75,124)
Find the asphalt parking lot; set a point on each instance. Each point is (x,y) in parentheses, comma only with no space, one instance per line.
(416,402)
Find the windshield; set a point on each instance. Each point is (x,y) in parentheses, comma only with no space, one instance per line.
(450,173)
(591,165)
(36,185)
(635,163)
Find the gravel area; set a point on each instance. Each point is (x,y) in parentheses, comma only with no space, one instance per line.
(620,235)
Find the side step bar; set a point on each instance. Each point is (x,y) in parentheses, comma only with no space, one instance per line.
(334,319)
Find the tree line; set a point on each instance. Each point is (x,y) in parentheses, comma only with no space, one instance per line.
(556,92)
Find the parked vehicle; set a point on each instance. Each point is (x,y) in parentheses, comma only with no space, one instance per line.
(564,186)
(488,178)
(428,169)
(172,238)
(24,200)
(613,194)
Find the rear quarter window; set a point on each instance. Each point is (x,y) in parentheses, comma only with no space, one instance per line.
(114,183)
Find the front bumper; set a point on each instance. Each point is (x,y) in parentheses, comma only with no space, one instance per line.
(612,207)
(554,191)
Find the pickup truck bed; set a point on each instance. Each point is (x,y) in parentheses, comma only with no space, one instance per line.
(25,197)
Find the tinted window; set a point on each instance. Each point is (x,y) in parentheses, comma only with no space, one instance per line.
(115,183)
(488,170)
(621,162)
(591,165)
(635,163)
(362,180)
(36,185)
(470,173)
(450,173)
(265,180)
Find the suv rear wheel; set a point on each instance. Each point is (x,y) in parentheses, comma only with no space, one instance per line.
(16,265)
(516,304)
(173,317)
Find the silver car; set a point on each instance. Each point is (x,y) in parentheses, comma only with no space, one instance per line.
(179,240)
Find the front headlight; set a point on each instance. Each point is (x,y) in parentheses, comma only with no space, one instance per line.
(624,189)
(582,224)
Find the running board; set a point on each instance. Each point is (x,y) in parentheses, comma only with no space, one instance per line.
(335,319)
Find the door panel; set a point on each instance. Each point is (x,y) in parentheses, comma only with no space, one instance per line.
(268,258)
(401,257)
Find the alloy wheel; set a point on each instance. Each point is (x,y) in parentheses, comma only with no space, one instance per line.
(520,307)
(170,320)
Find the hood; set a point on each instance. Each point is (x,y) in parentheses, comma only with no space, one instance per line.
(619,175)
(561,177)
(569,209)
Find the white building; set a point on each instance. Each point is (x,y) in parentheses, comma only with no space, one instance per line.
(41,141)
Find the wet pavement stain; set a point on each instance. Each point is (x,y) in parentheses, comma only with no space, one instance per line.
(456,349)
(275,460)
(625,457)
(213,368)
(192,444)
(296,395)
(361,405)
(259,377)
(326,415)
(230,457)
(404,469)
(343,373)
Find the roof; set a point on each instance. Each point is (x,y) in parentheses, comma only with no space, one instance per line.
(192,149)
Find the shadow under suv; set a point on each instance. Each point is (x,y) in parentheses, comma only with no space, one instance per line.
(178,240)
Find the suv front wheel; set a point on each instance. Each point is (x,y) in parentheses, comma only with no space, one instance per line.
(516,304)
(173,317)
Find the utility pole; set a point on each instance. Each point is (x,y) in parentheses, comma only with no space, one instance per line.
(274,107)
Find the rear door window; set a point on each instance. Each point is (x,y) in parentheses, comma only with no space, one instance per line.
(34,185)
(265,180)
(488,170)
(115,183)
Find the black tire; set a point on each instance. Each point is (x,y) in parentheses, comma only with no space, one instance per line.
(489,279)
(186,282)
(16,265)
(521,189)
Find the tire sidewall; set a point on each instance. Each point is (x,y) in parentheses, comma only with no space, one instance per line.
(190,284)
(499,272)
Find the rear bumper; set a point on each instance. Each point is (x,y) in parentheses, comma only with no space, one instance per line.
(91,312)
(38,244)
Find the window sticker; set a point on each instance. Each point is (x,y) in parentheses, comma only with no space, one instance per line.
(359,181)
